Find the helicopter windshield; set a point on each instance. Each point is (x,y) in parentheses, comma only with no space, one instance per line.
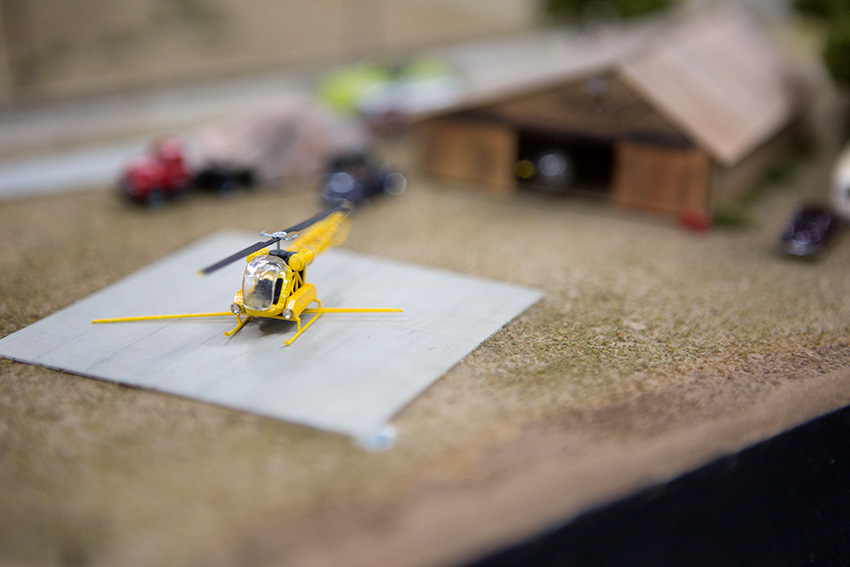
(261,284)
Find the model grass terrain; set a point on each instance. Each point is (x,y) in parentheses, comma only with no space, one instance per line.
(653,352)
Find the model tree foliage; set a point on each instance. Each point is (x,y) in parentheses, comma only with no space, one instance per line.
(836,16)
(836,53)
(562,9)
(822,8)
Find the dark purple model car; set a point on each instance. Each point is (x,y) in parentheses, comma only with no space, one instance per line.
(810,232)
(355,177)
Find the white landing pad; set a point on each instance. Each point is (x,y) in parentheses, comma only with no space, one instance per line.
(348,373)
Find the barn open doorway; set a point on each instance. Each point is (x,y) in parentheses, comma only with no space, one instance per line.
(575,164)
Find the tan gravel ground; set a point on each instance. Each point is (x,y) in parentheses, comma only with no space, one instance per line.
(654,351)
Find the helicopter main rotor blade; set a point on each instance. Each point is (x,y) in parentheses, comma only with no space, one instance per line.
(314,219)
(260,245)
(237,256)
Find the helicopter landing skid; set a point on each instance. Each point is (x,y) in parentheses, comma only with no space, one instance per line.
(302,328)
(240,323)
(158,317)
(319,311)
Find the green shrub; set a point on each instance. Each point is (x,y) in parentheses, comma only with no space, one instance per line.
(736,217)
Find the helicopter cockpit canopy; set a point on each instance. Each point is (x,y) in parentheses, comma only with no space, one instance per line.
(262,282)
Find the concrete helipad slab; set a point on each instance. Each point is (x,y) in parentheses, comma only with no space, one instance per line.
(348,373)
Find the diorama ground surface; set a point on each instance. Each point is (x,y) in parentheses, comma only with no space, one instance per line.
(654,351)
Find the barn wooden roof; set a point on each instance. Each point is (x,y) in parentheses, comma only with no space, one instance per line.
(712,74)
(719,80)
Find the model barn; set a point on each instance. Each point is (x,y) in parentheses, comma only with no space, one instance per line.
(668,117)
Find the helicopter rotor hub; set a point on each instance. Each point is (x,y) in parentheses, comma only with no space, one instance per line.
(281,234)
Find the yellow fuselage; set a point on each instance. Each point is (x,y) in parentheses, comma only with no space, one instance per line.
(273,283)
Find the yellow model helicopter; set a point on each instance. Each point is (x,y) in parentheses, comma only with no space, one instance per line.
(273,285)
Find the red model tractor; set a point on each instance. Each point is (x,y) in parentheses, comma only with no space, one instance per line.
(161,174)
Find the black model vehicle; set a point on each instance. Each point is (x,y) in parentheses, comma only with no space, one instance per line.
(223,179)
(353,178)
(810,232)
